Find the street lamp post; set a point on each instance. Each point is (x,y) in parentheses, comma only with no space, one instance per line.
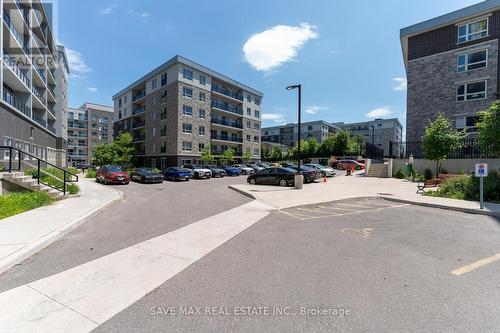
(299,181)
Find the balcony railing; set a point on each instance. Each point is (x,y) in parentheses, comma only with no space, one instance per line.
(139,110)
(137,124)
(221,152)
(15,102)
(227,92)
(23,12)
(140,137)
(51,128)
(38,94)
(139,96)
(226,123)
(12,64)
(39,119)
(227,107)
(40,72)
(226,138)
(19,37)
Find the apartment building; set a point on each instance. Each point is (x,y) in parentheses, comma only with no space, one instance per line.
(379,132)
(452,67)
(288,134)
(181,107)
(34,82)
(88,126)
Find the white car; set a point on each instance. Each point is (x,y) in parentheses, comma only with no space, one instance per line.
(199,171)
(246,170)
(324,170)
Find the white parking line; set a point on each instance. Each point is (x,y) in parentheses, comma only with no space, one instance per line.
(332,207)
(355,212)
(476,265)
(351,205)
(315,211)
(374,203)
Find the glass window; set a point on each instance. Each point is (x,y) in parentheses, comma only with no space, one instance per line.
(187,110)
(202,96)
(202,113)
(201,130)
(187,128)
(257,113)
(163,79)
(187,74)
(470,61)
(249,112)
(153,84)
(249,98)
(471,91)
(472,31)
(187,145)
(201,146)
(203,80)
(187,92)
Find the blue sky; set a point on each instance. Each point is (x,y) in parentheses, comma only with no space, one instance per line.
(346,54)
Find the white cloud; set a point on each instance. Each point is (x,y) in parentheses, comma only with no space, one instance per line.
(379,112)
(77,65)
(401,84)
(145,15)
(315,109)
(276,117)
(108,10)
(270,48)
(92,89)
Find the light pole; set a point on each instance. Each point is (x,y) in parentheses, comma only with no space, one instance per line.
(299,181)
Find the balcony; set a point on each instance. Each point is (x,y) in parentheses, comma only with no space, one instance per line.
(224,122)
(163,115)
(227,107)
(139,96)
(227,92)
(16,103)
(40,72)
(139,111)
(51,129)
(139,137)
(39,119)
(226,138)
(221,152)
(39,95)
(18,36)
(137,124)
(12,64)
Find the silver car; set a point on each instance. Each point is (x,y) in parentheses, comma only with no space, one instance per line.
(324,170)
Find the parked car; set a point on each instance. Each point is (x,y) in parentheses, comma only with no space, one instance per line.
(81,166)
(287,164)
(146,175)
(273,176)
(255,167)
(310,174)
(232,171)
(112,174)
(199,171)
(217,172)
(244,169)
(345,164)
(324,170)
(176,173)
(263,165)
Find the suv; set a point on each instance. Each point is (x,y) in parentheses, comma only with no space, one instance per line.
(199,171)
(348,164)
(245,170)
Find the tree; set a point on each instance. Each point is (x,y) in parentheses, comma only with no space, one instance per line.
(247,156)
(440,139)
(341,143)
(276,154)
(265,153)
(312,148)
(123,149)
(206,155)
(102,155)
(228,155)
(489,128)
(326,148)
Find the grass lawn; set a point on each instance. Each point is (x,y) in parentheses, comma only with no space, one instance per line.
(15,203)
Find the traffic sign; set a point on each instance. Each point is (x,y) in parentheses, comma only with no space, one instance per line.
(481,170)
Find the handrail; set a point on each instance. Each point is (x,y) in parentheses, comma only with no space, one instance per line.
(39,169)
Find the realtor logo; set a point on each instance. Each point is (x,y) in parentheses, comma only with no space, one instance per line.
(481,170)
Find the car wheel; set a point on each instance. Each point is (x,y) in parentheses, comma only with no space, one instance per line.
(196,175)
(252,181)
(283,182)
(105,181)
(97,180)
(143,179)
(126,183)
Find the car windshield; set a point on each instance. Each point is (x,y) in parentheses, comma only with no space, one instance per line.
(113,168)
(147,170)
(288,170)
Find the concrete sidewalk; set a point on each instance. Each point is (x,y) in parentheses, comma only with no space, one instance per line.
(342,187)
(25,234)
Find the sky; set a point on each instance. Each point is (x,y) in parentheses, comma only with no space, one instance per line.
(346,54)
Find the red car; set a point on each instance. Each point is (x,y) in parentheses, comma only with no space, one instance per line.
(348,164)
(112,174)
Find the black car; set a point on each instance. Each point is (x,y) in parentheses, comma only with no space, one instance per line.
(310,175)
(146,175)
(273,176)
(217,172)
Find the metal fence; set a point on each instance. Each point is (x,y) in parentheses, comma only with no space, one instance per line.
(471,148)
(372,151)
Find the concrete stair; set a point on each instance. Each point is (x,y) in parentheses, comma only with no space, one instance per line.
(378,170)
(29,183)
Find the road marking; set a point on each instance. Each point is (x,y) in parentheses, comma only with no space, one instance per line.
(364,232)
(476,265)
(374,203)
(350,205)
(352,210)
(295,215)
(81,298)
(315,211)
(356,212)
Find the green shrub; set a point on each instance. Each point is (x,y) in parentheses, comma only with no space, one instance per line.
(73,170)
(467,188)
(15,203)
(2,168)
(427,174)
(443,171)
(90,173)
(72,188)
(400,174)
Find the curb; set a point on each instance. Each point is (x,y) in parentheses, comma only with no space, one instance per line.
(242,192)
(26,252)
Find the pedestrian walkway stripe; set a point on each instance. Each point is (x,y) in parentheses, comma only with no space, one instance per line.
(476,265)
(83,297)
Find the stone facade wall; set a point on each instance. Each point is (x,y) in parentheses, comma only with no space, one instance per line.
(432,87)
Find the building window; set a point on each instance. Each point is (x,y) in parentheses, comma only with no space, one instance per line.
(257,113)
(154,84)
(472,31)
(187,128)
(249,124)
(187,146)
(256,139)
(257,100)
(201,130)
(256,152)
(470,61)
(153,100)
(120,103)
(32,132)
(471,91)
(203,80)
(125,99)
(202,96)
(153,116)
(249,112)
(153,131)
(94,117)
(187,110)
(187,92)
(249,98)
(256,126)
(201,146)
(469,123)
(248,138)
(202,113)
(163,79)
(187,74)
